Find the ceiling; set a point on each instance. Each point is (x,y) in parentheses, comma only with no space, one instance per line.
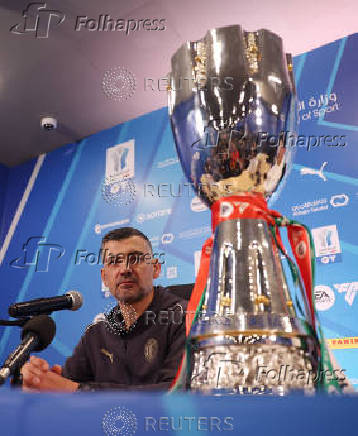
(48,68)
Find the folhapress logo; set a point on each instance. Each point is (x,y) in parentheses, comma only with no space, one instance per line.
(37,19)
(37,253)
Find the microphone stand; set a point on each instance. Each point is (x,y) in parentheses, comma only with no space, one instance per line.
(19,322)
(16,380)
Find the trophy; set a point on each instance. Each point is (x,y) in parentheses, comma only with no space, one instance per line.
(232,105)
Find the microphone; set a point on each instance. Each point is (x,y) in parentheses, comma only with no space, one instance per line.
(37,334)
(72,300)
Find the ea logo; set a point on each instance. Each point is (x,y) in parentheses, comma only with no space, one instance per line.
(324,297)
(119,421)
(226,209)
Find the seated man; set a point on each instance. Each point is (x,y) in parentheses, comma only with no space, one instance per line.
(139,345)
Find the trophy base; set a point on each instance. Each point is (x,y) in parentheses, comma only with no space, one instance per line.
(252,364)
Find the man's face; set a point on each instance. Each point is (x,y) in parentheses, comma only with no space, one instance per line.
(129,270)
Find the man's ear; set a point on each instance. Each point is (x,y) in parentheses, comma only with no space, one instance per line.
(157,267)
(103,276)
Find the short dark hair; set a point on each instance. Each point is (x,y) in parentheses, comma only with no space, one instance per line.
(124,233)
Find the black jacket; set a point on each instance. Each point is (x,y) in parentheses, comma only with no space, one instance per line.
(146,357)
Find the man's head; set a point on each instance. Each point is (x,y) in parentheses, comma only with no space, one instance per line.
(129,267)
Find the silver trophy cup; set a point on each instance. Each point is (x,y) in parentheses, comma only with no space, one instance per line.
(232,104)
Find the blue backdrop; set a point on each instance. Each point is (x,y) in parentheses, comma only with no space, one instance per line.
(66,200)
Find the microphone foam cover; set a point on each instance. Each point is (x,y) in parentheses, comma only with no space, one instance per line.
(44,327)
(77,299)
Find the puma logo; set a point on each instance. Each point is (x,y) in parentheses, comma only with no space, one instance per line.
(108,354)
(319,172)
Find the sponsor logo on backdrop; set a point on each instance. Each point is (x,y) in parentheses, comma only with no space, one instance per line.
(98,228)
(38,19)
(154,240)
(196,205)
(310,207)
(339,200)
(141,217)
(194,233)
(118,187)
(167,238)
(172,272)
(327,246)
(320,205)
(313,171)
(120,161)
(324,297)
(168,162)
(317,106)
(350,289)
(343,343)
(106,293)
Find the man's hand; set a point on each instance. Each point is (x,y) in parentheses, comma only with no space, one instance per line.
(39,377)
